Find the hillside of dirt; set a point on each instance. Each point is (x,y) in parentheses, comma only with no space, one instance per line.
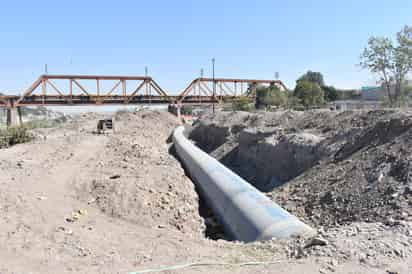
(73,201)
(329,168)
(347,174)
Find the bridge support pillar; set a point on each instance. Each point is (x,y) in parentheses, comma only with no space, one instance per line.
(14,117)
(178,112)
(174,109)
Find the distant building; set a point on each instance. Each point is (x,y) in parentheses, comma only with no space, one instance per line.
(378,92)
(344,105)
(373,93)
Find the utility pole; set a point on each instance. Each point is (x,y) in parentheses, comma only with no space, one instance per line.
(146,73)
(199,83)
(45,69)
(214,84)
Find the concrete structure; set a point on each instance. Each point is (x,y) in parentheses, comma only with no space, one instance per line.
(246,213)
(13,116)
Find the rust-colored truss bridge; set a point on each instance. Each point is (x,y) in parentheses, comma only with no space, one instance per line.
(99,90)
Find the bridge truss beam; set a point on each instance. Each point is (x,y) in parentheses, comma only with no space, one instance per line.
(224,88)
(146,91)
(71,90)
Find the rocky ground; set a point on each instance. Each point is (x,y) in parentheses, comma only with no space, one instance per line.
(341,172)
(72,201)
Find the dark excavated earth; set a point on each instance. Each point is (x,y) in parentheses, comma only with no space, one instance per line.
(329,168)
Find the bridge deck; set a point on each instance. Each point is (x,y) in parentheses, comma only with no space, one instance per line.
(56,100)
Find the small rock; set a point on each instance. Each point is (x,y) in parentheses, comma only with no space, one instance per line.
(330,268)
(76,215)
(333,262)
(116,176)
(315,241)
(65,230)
(82,211)
(408,190)
(362,258)
(390,221)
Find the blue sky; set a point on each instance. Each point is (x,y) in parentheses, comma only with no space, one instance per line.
(249,39)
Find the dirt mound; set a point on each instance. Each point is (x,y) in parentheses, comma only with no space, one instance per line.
(75,201)
(160,194)
(326,167)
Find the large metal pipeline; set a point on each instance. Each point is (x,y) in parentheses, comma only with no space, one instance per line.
(246,213)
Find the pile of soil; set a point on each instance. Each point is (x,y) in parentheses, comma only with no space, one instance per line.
(329,168)
(73,201)
(137,180)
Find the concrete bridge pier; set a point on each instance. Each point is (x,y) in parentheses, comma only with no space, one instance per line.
(175,109)
(14,117)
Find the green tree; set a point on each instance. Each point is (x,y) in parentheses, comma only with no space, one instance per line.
(294,102)
(314,77)
(408,91)
(186,110)
(331,93)
(270,96)
(309,93)
(391,62)
(242,104)
(403,60)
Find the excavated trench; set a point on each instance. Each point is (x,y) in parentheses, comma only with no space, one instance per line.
(213,228)
(251,157)
(231,198)
(266,159)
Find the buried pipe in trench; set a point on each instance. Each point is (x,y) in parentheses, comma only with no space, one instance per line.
(246,214)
